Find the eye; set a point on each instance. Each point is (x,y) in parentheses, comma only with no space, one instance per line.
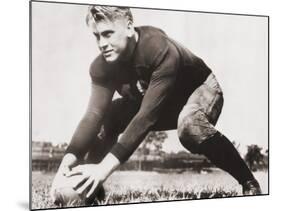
(107,34)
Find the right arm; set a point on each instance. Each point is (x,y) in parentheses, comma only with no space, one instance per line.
(89,126)
(102,90)
(86,131)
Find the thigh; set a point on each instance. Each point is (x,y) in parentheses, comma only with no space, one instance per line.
(116,120)
(208,99)
(205,102)
(200,114)
(168,118)
(119,116)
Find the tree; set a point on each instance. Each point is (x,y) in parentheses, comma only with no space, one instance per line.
(152,144)
(254,156)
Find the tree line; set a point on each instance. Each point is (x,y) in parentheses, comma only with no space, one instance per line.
(149,156)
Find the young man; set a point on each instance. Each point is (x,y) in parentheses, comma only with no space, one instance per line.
(163,86)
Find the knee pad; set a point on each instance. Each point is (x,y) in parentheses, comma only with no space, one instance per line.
(194,128)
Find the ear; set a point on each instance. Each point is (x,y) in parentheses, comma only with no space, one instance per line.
(130,28)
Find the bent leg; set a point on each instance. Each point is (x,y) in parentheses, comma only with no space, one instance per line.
(197,119)
(197,132)
(116,120)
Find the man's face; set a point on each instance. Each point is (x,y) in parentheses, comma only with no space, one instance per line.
(112,38)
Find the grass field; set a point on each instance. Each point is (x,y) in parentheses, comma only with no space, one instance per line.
(139,186)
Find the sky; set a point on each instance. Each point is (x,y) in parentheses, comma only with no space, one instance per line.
(234,47)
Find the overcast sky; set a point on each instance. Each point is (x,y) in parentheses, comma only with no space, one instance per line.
(234,47)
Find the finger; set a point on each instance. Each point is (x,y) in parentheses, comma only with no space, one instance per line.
(79,182)
(87,184)
(73,173)
(93,188)
(77,168)
(65,170)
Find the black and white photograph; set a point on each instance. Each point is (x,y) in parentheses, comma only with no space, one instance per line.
(134,105)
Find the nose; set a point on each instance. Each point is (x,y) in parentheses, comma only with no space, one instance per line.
(103,43)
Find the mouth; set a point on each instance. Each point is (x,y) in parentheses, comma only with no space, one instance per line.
(107,53)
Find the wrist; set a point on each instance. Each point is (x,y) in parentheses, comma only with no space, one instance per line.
(110,163)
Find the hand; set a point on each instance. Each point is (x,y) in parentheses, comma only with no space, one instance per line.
(91,176)
(64,169)
(58,182)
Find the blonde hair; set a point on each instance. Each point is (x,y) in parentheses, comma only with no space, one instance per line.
(100,13)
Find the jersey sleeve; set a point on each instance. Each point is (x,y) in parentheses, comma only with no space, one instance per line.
(101,95)
(161,85)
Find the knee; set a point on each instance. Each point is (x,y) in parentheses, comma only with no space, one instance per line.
(183,125)
(186,133)
(66,196)
(193,129)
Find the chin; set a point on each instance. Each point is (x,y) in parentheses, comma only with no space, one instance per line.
(110,59)
(114,57)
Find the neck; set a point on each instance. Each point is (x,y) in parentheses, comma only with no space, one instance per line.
(131,47)
(136,36)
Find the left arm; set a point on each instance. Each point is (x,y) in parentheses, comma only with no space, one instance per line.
(161,85)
